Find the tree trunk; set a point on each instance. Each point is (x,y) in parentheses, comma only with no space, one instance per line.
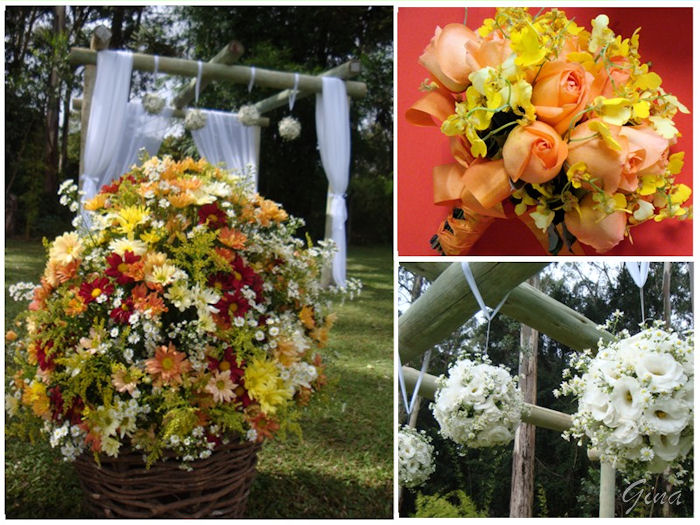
(523,472)
(51,147)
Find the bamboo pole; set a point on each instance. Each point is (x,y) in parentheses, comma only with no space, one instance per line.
(228,55)
(448,303)
(99,40)
(606,497)
(182,113)
(529,306)
(237,74)
(533,414)
(344,71)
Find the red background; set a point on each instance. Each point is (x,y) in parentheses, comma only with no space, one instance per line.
(665,41)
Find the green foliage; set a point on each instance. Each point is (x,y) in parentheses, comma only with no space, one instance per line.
(371,208)
(541,501)
(455,504)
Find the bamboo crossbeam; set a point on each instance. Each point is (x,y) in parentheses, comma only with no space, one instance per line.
(533,414)
(535,309)
(448,302)
(347,70)
(429,270)
(232,73)
(228,55)
(263,122)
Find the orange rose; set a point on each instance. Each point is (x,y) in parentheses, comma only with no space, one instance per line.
(615,75)
(490,52)
(593,227)
(561,91)
(445,56)
(604,163)
(534,153)
(650,149)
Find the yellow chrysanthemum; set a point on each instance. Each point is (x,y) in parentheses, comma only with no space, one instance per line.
(264,385)
(130,217)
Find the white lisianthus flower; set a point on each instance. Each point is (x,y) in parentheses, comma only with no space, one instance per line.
(666,446)
(667,416)
(625,398)
(626,433)
(662,371)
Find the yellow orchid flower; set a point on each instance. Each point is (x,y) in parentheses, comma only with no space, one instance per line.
(650,183)
(604,131)
(616,111)
(527,45)
(675,163)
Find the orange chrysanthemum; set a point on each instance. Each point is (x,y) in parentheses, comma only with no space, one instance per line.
(97,202)
(181,200)
(167,366)
(232,238)
(307,317)
(270,211)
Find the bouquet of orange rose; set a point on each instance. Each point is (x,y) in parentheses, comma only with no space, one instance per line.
(569,126)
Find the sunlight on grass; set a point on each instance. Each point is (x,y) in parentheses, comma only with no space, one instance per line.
(342,467)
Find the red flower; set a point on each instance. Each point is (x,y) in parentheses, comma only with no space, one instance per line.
(122,312)
(44,358)
(232,305)
(212,216)
(91,290)
(222,281)
(118,266)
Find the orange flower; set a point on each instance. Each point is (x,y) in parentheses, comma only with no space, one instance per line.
(594,227)
(446,57)
(232,238)
(76,305)
(270,211)
(167,366)
(144,301)
(286,352)
(10,336)
(41,293)
(181,200)
(604,163)
(263,426)
(307,317)
(225,253)
(561,91)
(534,153)
(187,183)
(189,164)
(97,202)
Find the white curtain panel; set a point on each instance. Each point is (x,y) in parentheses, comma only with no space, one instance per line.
(333,131)
(223,139)
(142,130)
(108,114)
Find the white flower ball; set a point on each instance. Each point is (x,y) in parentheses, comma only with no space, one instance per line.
(153,103)
(478,404)
(248,115)
(289,128)
(415,457)
(195,120)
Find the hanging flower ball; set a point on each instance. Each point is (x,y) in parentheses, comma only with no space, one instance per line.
(248,115)
(289,128)
(415,457)
(195,120)
(635,401)
(478,404)
(153,103)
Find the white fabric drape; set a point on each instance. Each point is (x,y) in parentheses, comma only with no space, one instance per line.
(333,131)
(108,114)
(142,130)
(223,139)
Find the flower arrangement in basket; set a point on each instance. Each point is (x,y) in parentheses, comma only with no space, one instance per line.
(187,317)
(565,128)
(635,401)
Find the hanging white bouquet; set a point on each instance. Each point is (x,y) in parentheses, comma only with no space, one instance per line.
(289,128)
(415,457)
(636,401)
(478,404)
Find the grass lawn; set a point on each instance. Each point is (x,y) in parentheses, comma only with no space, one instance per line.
(341,468)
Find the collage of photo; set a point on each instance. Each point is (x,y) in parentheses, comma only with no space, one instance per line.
(387,260)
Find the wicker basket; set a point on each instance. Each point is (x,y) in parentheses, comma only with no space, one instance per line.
(216,487)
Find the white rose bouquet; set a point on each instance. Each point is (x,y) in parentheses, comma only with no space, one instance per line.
(415,457)
(478,404)
(636,401)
